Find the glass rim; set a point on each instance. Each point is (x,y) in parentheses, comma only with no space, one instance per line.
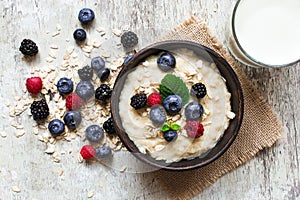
(259,63)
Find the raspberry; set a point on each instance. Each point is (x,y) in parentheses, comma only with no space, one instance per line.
(87,152)
(28,47)
(194,129)
(34,85)
(138,101)
(73,102)
(39,110)
(154,99)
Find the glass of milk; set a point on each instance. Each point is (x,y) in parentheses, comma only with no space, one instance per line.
(266,33)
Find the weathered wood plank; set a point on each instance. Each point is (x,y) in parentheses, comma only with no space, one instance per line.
(273,174)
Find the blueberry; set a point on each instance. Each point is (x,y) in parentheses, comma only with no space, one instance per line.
(127,58)
(170,135)
(103,152)
(86,15)
(65,86)
(166,61)
(157,115)
(56,127)
(97,63)
(72,119)
(103,74)
(193,111)
(173,104)
(85,90)
(79,35)
(94,133)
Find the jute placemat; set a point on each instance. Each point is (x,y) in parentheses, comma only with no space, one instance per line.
(260,127)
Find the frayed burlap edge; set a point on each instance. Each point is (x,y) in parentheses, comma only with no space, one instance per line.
(260,127)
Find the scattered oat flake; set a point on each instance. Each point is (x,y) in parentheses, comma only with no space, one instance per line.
(101,184)
(90,194)
(87,55)
(55,33)
(54,46)
(70,50)
(20,133)
(80,158)
(58,27)
(100,29)
(96,44)
(3,134)
(35,131)
(56,159)
(7,103)
(123,169)
(15,189)
(52,55)
(60,172)
(50,149)
(49,59)
(117,32)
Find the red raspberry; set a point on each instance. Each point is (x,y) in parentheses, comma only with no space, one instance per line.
(154,99)
(73,102)
(34,85)
(87,152)
(194,129)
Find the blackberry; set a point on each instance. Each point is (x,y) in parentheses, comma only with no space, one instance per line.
(39,110)
(138,101)
(198,90)
(103,93)
(28,47)
(129,39)
(108,126)
(85,73)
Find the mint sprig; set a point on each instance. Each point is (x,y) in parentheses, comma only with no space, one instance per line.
(170,126)
(172,84)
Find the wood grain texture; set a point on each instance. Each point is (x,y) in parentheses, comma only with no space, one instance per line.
(273,174)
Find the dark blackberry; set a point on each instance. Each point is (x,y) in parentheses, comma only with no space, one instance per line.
(129,39)
(85,73)
(198,90)
(108,126)
(103,93)
(138,101)
(39,110)
(28,47)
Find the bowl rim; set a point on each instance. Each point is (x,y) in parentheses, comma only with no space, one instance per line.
(145,157)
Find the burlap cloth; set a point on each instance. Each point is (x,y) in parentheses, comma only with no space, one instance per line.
(260,127)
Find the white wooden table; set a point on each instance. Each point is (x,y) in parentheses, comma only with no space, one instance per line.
(273,174)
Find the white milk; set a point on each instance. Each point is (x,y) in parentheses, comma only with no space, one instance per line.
(268,31)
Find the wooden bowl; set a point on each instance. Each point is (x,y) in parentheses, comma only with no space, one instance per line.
(233,86)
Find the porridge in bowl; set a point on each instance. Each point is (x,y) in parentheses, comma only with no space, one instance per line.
(175,105)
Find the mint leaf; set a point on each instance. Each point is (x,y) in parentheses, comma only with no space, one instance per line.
(165,127)
(164,92)
(175,127)
(173,84)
